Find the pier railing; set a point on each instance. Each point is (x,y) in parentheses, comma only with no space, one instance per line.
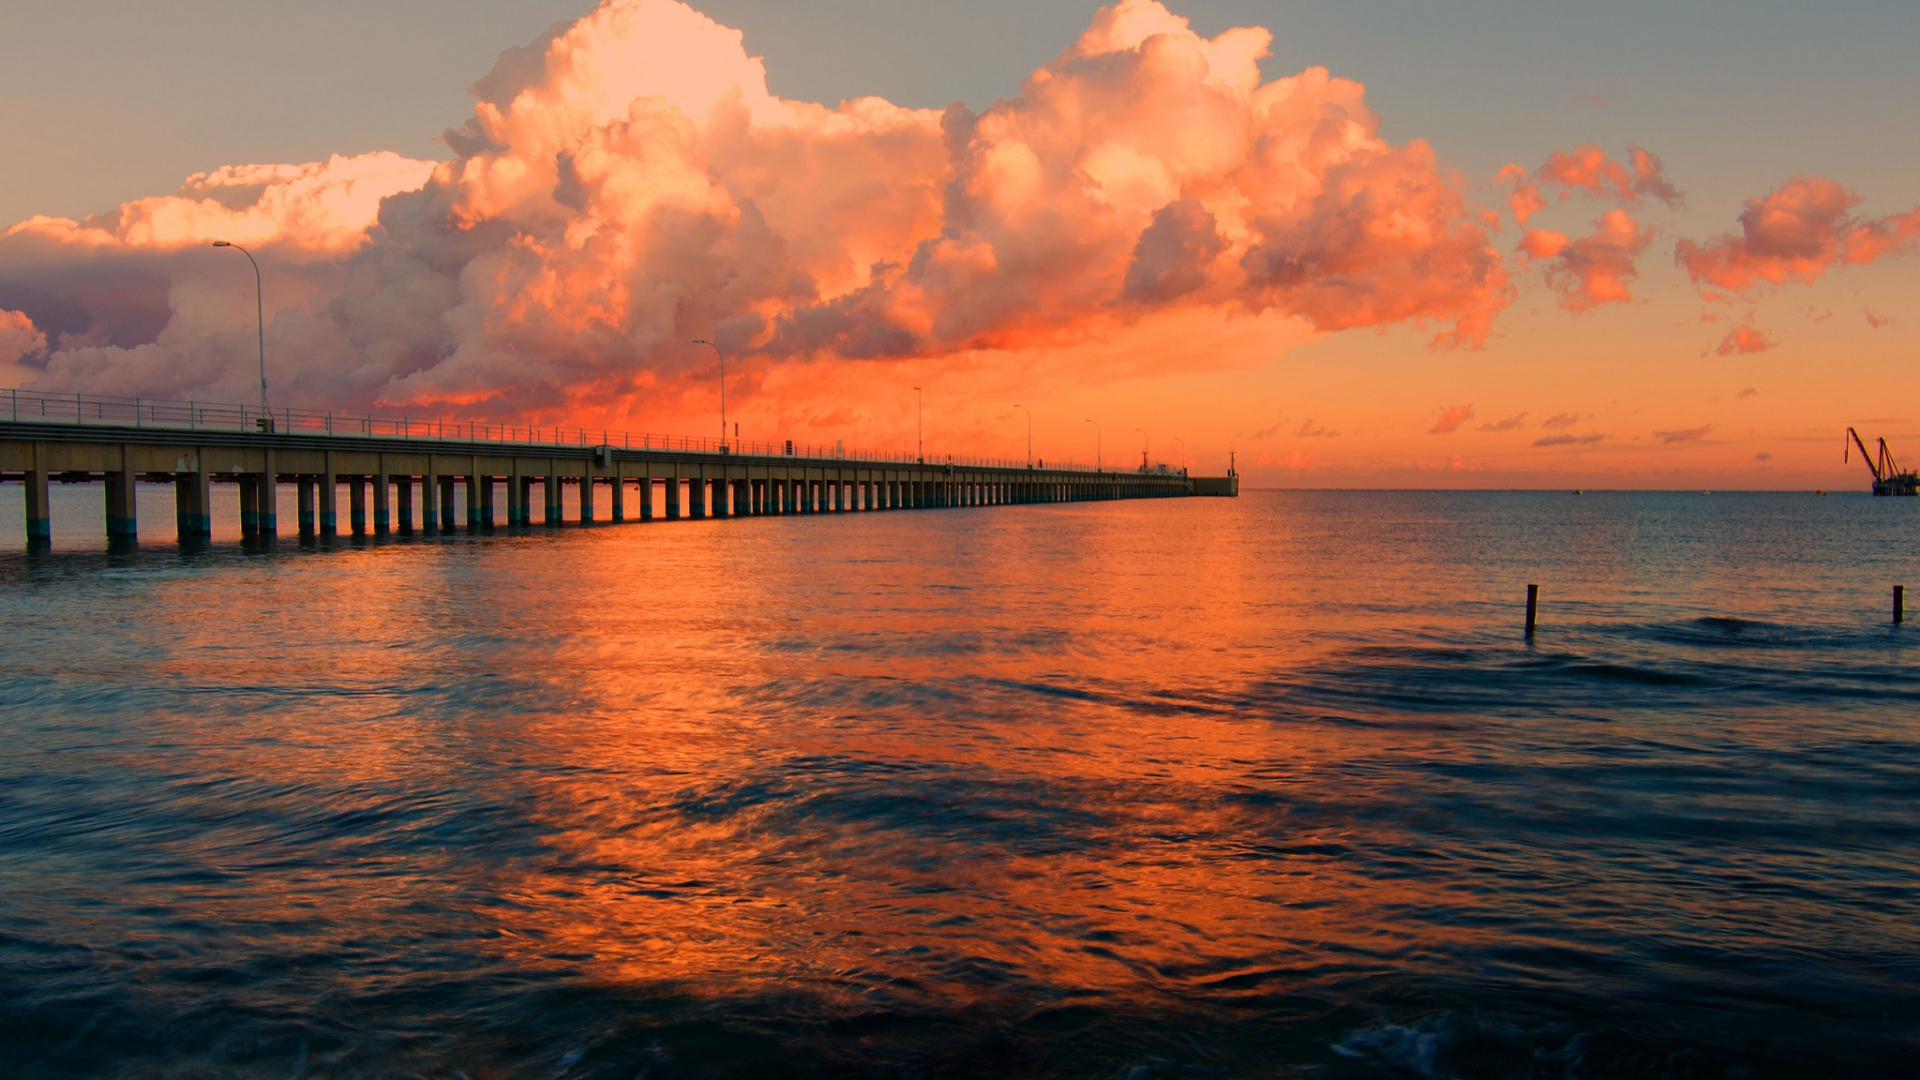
(30,405)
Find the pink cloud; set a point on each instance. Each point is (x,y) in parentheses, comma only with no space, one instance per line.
(1743,339)
(628,182)
(1451,419)
(1877,321)
(1587,169)
(1596,269)
(1796,233)
(19,338)
(1689,435)
(1567,440)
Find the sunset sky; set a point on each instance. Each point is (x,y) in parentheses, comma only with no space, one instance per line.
(1381,243)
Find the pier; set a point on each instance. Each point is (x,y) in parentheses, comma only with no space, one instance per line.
(383,464)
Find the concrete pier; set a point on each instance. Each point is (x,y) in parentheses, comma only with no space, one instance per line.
(693,484)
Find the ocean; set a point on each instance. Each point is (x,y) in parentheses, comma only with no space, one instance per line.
(1261,787)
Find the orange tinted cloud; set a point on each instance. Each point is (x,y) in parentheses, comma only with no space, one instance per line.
(1587,169)
(1594,270)
(1567,440)
(1743,339)
(1689,435)
(628,182)
(1451,419)
(1795,233)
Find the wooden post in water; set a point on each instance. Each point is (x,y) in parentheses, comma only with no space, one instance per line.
(1533,607)
(1899,604)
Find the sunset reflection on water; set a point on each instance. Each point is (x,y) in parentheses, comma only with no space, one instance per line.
(1246,785)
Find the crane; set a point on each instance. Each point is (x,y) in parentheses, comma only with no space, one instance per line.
(1888,479)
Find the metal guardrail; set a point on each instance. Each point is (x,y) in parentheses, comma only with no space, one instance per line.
(29,406)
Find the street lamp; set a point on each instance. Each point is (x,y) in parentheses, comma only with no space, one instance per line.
(1029,413)
(723,389)
(1098,435)
(1143,448)
(919,428)
(260,315)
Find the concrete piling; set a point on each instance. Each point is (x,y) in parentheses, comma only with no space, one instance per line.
(39,509)
(1899,604)
(123,519)
(1533,607)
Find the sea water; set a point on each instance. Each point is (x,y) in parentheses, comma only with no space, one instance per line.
(1269,786)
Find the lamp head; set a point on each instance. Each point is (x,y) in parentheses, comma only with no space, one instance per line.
(221,243)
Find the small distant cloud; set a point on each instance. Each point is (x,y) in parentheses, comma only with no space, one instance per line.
(1560,421)
(1744,339)
(1878,321)
(1763,456)
(1595,99)
(1567,440)
(1451,419)
(1748,392)
(1509,424)
(1689,435)
(1816,315)
(1267,433)
(1309,431)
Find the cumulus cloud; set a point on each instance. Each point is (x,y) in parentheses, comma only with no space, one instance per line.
(1567,440)
(1795,234)
(1743,339)
(1689,435)
(1596,269)
(18,337)
(627,182)
(1450,419)
(1588,170)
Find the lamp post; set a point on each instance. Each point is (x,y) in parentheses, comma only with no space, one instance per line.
(1029,413)
(1098,435)
(260,316)
(723,388)
(1144,448)
(919,428)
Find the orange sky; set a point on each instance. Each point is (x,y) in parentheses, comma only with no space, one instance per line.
(1147,233)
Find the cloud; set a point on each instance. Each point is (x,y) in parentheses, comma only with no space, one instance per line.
(1451,419)
(1743,339)
(1561,421)
(1796,233)
(1567,440)
(19,338)
(1594,270)
(1309,431)
(1763,456)
(1877,321)
(1748,392)
(628,182)
(1509,424)
(1689,435)
(1587,169)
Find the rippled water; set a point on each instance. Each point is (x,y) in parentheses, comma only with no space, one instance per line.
(1259,787)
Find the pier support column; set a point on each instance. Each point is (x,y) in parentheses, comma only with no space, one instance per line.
(429,504)
(586,497)
(487,512)
(303,496)
(329,499)
(449,520)
(516,498)
(382,504)
(39,509)
(357,505)
(474,483)
(697,498)
(402,503)
(673,498)
(123,520)
(550,491)
(722,497)
(617,500)
(193,515)
(646,497)
(249,507)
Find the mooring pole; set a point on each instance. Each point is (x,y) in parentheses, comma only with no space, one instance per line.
(1533,607)
(1899,604)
